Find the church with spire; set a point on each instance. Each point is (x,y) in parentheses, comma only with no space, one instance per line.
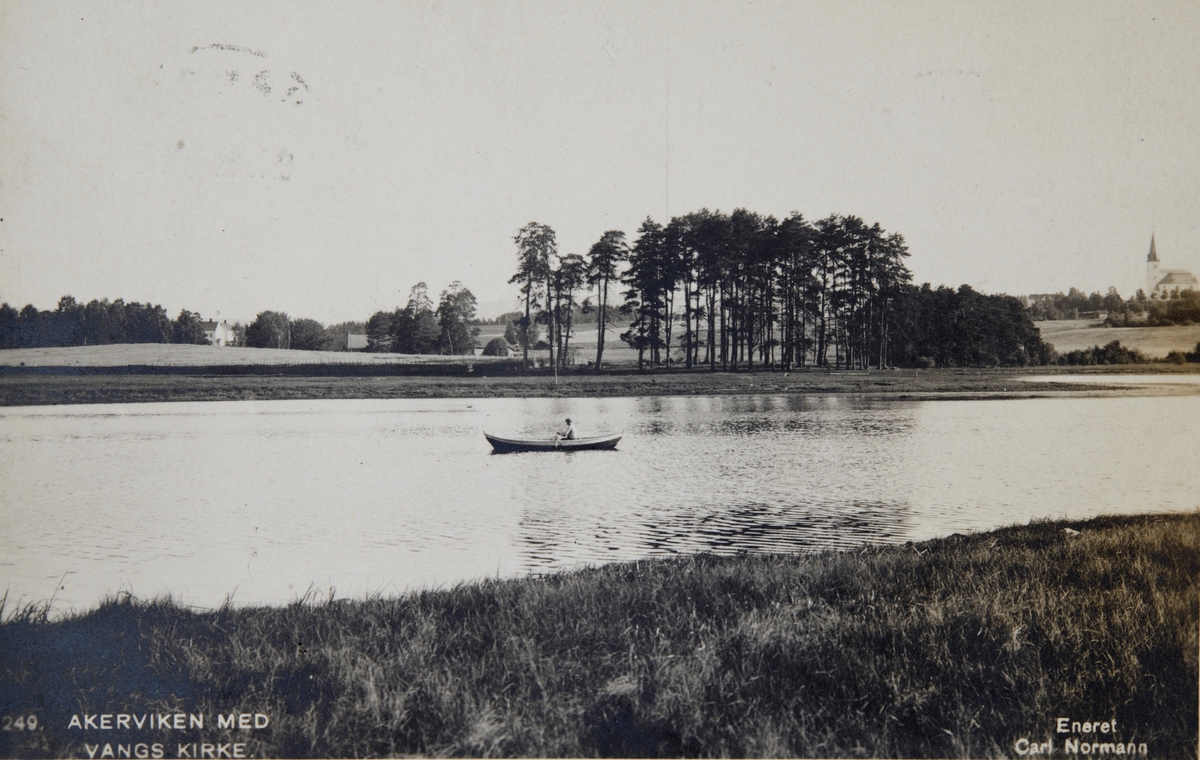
(1163,283)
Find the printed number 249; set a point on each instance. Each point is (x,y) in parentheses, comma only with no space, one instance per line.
(22,723)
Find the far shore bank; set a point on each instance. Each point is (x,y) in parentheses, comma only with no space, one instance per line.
(975,645)
(1003,382)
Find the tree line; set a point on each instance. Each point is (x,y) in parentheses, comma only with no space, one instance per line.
(103,322)
(418,328)
(1179,308)
(1069,305)
(96,323)
(743,290)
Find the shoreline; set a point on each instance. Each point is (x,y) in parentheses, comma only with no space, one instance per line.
(962,645)
(908,384)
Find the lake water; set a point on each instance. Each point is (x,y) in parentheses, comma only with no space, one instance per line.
(263,500)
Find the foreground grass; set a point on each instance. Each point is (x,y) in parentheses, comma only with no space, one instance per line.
(952,647)
(28,390)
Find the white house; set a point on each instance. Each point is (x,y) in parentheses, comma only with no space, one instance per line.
(218,333)
(1162,283)
(356,341)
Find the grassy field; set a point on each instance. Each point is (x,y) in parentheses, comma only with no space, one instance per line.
(954,647)
(1155,342)
(26,390)
(176,355)
(585,339)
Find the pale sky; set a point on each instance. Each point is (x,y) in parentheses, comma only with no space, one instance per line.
(320,159)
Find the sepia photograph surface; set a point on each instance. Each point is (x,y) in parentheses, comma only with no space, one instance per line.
(635,379)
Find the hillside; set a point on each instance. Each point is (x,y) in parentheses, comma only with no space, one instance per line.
(1156,342)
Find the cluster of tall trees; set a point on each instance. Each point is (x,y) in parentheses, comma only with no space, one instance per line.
(743,290)
(551,285)
(750,290)
(98,322)
(420,327)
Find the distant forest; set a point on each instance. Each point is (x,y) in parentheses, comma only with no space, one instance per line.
(96,323)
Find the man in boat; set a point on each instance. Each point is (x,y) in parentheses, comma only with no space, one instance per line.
(569,433)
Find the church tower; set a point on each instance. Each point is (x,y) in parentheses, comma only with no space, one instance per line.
(1152,273)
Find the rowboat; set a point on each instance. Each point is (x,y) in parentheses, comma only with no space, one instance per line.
(511,445)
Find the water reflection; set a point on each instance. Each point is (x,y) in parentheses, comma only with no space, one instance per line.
(265,498)
(559,539)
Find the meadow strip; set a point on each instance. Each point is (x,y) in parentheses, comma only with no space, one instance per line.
(25,390)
